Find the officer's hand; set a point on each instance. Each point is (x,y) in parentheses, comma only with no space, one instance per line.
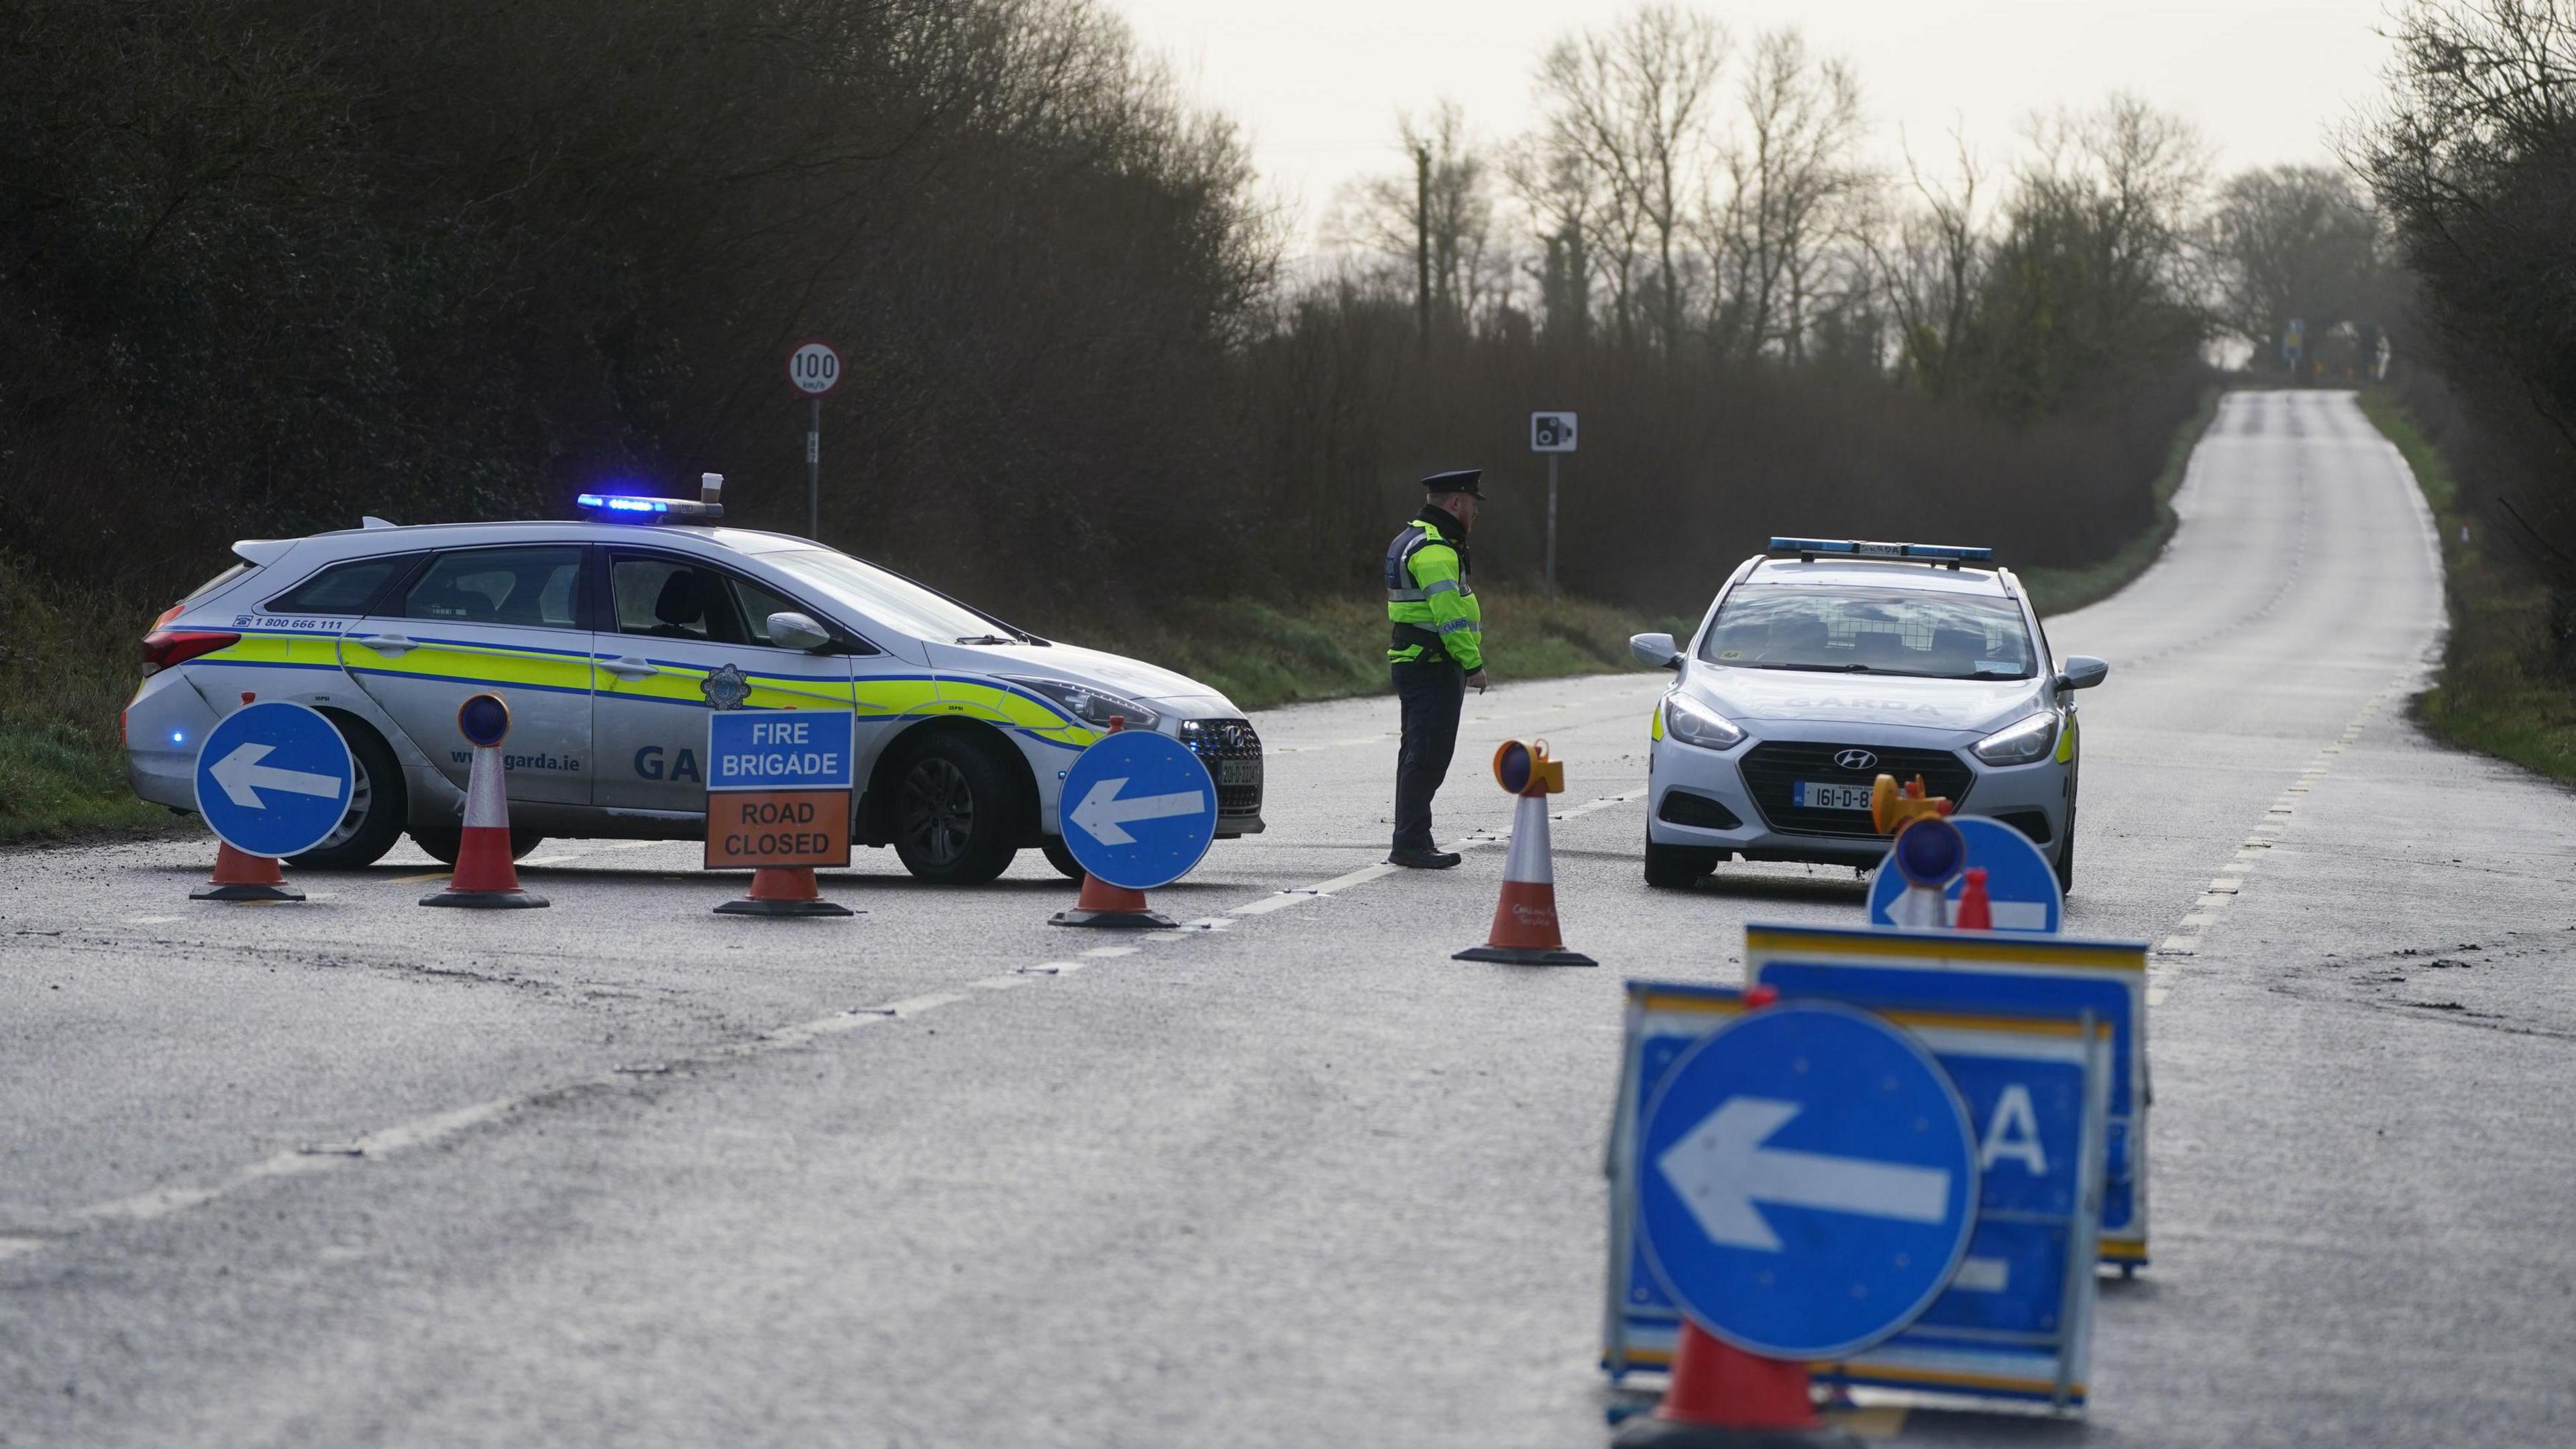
(1477,681)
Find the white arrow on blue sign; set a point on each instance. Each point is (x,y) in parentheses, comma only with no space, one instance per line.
(1138,810)
(2020,882)
(1811,1182)
(273,779)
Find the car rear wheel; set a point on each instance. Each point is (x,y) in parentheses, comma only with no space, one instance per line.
(1677,867)
(444,843)
(1060,855)
(957,811)
(377,802)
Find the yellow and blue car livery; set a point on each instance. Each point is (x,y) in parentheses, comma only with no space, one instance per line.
(611,642)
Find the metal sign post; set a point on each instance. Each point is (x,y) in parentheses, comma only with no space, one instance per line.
(815,369)
(1552,434)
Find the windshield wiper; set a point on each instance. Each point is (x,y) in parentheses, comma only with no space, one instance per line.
(987,639)
(1820,668)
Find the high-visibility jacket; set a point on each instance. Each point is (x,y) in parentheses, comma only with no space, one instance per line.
(1429,601)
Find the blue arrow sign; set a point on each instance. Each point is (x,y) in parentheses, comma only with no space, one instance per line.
(1138,809)
(2019,880)
(273,779)
(1806,1181)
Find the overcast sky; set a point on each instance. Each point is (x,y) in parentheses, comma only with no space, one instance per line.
(1317,83)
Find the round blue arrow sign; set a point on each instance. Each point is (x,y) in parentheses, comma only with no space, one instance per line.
(273,779)
(1806,1181)
(2020,882)
(1138,810)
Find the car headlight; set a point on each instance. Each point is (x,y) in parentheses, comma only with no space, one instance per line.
(1694,723)
(1092,706)
(2022,742)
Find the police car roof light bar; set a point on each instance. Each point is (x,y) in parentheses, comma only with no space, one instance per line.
(623,508)
(1945,553)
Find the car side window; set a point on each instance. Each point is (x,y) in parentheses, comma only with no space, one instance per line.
(343,588)
(530,587)
(672,598)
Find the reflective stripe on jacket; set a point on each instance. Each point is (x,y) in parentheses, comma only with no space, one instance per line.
(1429,600)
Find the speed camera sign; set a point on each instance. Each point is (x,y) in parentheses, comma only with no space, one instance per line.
(1551,432)
(815,368)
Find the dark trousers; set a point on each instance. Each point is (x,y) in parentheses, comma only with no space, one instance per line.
(1432,691)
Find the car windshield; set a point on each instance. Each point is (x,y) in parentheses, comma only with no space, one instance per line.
(1854,629)
(893,600)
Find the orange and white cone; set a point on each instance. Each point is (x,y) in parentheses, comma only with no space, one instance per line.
(1525,930)
(485,877)
(1103,904)
(1724,1398)
(242,876)
(783,890)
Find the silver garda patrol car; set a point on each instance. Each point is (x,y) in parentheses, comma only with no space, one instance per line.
(611,639)
(1828,662)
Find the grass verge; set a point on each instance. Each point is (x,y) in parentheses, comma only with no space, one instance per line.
(67,666)
(1263,655)
(2062,591)
(2499,691)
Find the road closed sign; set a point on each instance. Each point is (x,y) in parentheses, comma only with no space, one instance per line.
(778,788)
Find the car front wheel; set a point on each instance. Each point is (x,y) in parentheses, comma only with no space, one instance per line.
(956,812)
(1677,867)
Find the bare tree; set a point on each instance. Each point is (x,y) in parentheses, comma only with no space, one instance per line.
(1455,215)
(1794,175)
(1931,268)
(1634,103)
(2292,242)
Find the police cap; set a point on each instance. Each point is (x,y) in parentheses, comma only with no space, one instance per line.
(1463,480)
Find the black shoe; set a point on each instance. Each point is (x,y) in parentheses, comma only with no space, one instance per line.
(1425,859)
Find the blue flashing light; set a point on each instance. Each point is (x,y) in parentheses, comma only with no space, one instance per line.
(1864,548)
(178,737)
(624,507)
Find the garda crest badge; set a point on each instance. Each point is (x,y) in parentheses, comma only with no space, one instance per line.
(725,687)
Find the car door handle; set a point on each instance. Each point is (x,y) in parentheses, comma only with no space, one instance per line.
(390,644)
(630,667)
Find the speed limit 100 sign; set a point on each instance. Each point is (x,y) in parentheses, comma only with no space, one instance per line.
(815,368)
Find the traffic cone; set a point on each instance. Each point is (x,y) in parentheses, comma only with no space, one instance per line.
(1525,931)
(1976,910)
(485,877)
(1724,1398)
(783,890)
(1103,904)
(242,876)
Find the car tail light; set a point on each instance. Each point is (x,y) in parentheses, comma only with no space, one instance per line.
(165,647)
(170,613)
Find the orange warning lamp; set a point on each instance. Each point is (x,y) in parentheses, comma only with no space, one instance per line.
(1526,770)
(1892,809)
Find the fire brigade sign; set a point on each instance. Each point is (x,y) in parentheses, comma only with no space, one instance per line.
(778,788)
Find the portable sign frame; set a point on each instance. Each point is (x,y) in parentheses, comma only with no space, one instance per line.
(2014,1321)
(778,788)
(1886,969)
(294,810)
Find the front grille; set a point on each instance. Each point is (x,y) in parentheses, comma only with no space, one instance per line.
(1218,741)
(1771,770)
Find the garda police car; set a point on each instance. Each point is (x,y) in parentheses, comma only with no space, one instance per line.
(1829,662)
(611,641)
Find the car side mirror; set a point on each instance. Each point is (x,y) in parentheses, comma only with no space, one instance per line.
(798,631)
(2082,671)
(1655,651)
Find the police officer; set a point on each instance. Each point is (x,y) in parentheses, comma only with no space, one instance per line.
(1436,653)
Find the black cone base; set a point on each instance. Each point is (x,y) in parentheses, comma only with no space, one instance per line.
(244,893)
(485,900)
(1115,920)
(1526,956)
(1648,1432)
(750,907)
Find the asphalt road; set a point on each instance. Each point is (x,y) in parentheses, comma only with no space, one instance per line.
(622,1172)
